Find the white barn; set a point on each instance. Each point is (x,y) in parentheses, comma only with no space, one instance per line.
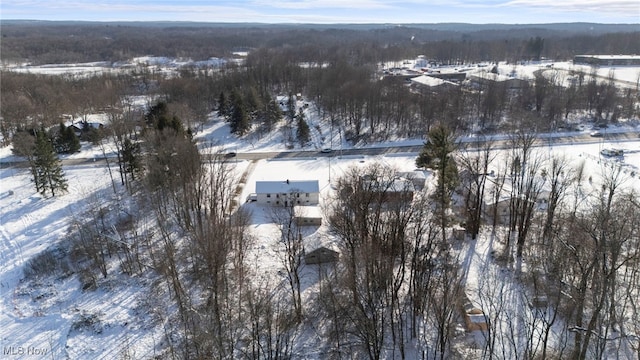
(296,192)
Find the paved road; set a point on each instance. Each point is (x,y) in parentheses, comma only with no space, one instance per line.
(470,143)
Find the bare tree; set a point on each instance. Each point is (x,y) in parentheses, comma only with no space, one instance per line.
(291,240)
(475,167)
(526,184)
(560,176)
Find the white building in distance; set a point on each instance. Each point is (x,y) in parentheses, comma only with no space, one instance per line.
(288,192)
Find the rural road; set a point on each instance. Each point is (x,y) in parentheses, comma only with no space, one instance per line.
(470,143)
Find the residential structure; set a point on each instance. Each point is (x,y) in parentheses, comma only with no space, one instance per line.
(398,190)
(417,177)
(287,192)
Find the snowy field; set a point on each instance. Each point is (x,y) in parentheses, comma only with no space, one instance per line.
(50,317)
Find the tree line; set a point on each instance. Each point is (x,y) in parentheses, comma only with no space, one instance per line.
(42,43)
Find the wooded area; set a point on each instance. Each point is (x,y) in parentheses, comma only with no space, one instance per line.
(397,289)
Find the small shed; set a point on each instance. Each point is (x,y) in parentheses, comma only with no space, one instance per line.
(321,255)
(458,232)
(308,215)
(474,318)
(319,250)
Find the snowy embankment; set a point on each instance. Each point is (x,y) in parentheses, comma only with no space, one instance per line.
(52,315)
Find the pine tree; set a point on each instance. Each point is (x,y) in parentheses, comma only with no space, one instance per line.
(239,118)
(223,105)
(130,158)
(253,101)
(291,108)
(48,175)
(66,141)
(158,115)
(303,133)
(436,154)
(274,114)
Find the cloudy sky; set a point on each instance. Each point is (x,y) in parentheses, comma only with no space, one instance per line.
(329,11)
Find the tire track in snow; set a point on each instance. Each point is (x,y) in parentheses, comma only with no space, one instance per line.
(8,253)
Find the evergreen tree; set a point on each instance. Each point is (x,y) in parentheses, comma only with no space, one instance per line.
(239,118)
(303,133)
(223,105)
(158,115)
(48,175)
(159,118)
(291,108)
(436,154)
(66,141)
(130,158)
(253,101)
(535,47)
(274,114)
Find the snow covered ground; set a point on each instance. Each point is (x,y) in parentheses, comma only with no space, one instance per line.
(57,317)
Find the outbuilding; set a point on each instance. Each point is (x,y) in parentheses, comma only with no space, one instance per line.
(308,215)
(319,250)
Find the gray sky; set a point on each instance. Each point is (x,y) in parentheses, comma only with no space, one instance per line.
(329,11)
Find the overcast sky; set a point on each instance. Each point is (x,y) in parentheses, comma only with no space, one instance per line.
(329,11)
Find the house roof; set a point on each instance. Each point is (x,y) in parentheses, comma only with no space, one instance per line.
(431,81)
(319,240)
(308,211)
(397,185)
(489,76)
(287,186)
(412,175)
(610,57)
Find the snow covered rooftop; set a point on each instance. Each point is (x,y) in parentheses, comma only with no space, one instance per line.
(308,211)
(430,81)
(287,186)
(611,57)
(490,76)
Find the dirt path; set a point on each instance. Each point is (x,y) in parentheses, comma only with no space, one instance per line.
(243,180)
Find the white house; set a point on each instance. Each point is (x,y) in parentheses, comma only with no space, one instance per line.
(296,192)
